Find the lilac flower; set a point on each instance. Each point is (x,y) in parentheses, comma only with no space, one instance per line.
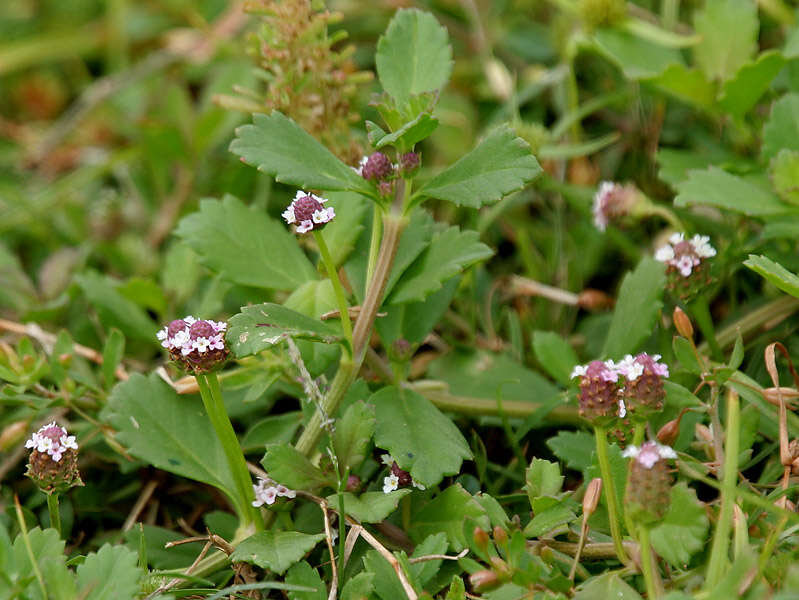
(307,212)
(397,477)
(52,440)
(633,368)
(198,345)
(53,462)
(613,201)
(267,491)
(649,453)
(599,390)
(685,255)
(643,390)
(376,167)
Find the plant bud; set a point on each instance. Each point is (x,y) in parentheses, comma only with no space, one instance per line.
(592,495)
(353,483)
(501,568)
(377,167)
(484,580)
(12,435)
(480,538)
(500,536)
(682,323)
(409,162)
(594,300)
(648,494)
(670,431)
(53,462)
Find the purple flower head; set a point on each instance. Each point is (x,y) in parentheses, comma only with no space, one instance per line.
(267,491)
(53,462)
(599,391)
(409,162)
(307,212)
(648,494)
(643,390)
(377,167)
(52,440)
(684,255)
(197,345)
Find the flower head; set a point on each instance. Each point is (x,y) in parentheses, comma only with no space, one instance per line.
(397,477)
(687,269)
(613,201)
(377,167)
(53,462)
(599,390)
(643,390)
(197,345)
(649,453)
(647,497)
(307,212)
(267,491)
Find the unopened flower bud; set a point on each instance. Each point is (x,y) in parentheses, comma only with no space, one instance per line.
(643,391)
(614,201)
(353,483)
(409,162)
(501,568)
(682,323)
(53,462)
(594,300)
(480,538)
(196,345)
(592,495)
(599,392)
(12,435)
(377,167)
(386,188)
(648,494)
(484,580)
(669,433)
(500,535)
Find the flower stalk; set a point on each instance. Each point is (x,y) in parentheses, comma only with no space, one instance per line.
(55,514)
(341,298)
(600,432)
(647,563)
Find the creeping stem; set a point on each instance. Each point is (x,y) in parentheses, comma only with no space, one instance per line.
(610,491)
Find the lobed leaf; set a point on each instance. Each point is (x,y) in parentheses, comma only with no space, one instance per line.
(369,507)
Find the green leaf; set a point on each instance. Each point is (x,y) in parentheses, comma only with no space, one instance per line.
(782,128)
(555,355)
(784,173)
(313,299)
(387,584)
(775,273)
(637,308)
(684,530)
(550,519)
(278,146)
(113,351)
(409,134)
(637,58)
(261,326)
(275,429)
(292,468)
(303,574)
(414,320)
(605,586)
(729,30)
(47,549)
(715,187)
(447,513)
(276,550)
(342,233)
(688,85)
(434,544)
(245,245)
(502,163)
(353,433)
(685,353)
(543,479)
(448,254)
(422,440)
(114,309)
(369,507)
(740,93)
(413,55)
(359,587)
(17,291)
(109,574)
(155,538)
(457,590)
(169,431)
(662,37)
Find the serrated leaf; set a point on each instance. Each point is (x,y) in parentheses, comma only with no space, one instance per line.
(409,134)
(545,521)
(637,58)
(278,146)
(502,163)
(261,326)
(359,587)
(605,586)
(457,590)
(303,574)
(46,547)
(555,354)
(781,130)
(312,299)
(447,513)
(387,585)
(169,431)
(728,29)
(109,574)
(448,254)
(637,308)
(775,273)
(413,55)
(414,320)
(433,544)
(422,440)
(684,530)
(685,353)
(275,429)
(784,173)
(542,478)
(374,132)
(715,187)
(353,434)
(688,85)
(369,507)
(245,245)
(292,468)
(276,550)
(740,93)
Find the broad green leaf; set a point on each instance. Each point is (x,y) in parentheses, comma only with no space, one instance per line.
(114,309)
(276,550)
(47,549)
(409,134)
(637,308)
(729,31)
(684,352)
(543,479)
(784,173)
(675,164)
(775,273)
(109,574)
(718,188)
(447,513)
(353,434)
(413,55)
(369,507)
(422,440)
(414,320)
(684,530)
(275,429)
(113,352)
(260,327)
(290,467)
(313,299)
(605,586)
(245,246)
(448,254)
(359,587)
(457,590)
(555,355)
(278,146)
(688,85)
(782,128)
(740,93)
(637,58)
(386,583)
(433,544)
(550,519)
(342,233)
(17,291)
(169,431)
(502,163)
(303,574)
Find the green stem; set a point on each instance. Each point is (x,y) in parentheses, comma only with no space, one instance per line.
(771,542)
(374,244)
(661,211)
(719,553)
(215,407)
(639,432)
(647,563)
(669,13)
(341,298)
(610,492)
(55,514)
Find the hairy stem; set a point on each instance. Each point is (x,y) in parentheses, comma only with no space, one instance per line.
(610,492)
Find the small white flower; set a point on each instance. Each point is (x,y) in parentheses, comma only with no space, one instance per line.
(361,164)
(649,453)
(622,409)
(630,368)
(684,255)
(664,254)
(201,344)
(702,247)
(390,483)
(578,371)
(386,459)
(285,492)
(162,334)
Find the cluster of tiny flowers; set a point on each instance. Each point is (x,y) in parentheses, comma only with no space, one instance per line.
(267,491)
(649,453)
(685,255)
(613,201)
(307,212)
(632,367)
(186,336)
(52,440)
(397,477)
